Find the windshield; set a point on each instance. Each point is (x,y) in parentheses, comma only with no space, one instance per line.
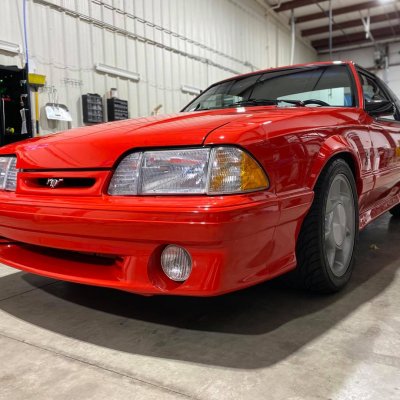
(309,86)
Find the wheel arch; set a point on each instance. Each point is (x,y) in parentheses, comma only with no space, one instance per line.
(335,148)
(316,269)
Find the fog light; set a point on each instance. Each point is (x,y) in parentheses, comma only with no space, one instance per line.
(176,263)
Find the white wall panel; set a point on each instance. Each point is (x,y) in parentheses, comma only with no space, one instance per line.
(170,43)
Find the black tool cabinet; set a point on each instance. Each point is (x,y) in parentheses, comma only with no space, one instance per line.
(92,105)
(117,109)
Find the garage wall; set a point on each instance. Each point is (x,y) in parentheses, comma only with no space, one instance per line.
(170,43)
(365,58)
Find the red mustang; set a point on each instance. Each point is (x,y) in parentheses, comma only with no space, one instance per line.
(260,175)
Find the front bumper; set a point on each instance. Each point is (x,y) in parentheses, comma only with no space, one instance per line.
(234,241)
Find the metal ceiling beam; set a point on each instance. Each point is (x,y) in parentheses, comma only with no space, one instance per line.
(365,45)
(342,10)
(354,23)
(359,37)
(291,5)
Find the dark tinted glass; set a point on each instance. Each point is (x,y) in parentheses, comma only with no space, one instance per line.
(330,84)
(395,99)
(375,89)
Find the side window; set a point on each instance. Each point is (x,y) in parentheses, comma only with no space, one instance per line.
(394,98)
(373,91)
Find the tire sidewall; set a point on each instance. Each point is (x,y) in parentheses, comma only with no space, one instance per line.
(335,168)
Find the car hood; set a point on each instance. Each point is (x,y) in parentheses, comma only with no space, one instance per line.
(100,146)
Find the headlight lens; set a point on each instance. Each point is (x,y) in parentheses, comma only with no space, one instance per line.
(8,173)
(125,178)
(174,171)
(234,171)
(221,170)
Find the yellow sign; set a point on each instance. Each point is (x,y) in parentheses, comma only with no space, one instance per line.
(36,80)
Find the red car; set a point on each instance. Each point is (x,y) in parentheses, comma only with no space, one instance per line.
(261,174)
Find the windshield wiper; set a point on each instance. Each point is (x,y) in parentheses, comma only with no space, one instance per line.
(275,102)
(298,103)
(254,102)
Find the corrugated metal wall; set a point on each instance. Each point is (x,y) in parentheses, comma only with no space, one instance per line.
(170,43)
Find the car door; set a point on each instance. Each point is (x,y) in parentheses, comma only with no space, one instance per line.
(385,138)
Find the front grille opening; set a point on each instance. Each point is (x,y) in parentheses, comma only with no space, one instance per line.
(83,257)
(67,183)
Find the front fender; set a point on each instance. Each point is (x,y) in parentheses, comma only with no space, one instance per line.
(331,148)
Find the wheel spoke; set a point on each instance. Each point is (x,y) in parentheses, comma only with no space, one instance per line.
(347,201)
(342,260)
(328,223)
(333,204)
(331,255)
(329,238)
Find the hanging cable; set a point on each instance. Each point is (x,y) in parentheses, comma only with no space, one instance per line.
(330,29)
(293,23)
(25,34)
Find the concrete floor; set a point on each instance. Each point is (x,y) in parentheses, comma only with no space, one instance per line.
(66,341)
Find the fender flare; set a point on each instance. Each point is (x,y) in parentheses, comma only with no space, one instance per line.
(333,147)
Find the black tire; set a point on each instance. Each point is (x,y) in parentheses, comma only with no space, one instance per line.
(313,272)
(395,211)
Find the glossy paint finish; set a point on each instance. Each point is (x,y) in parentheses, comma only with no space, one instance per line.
(83,235)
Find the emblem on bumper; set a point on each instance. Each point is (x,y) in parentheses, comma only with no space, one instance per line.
(54,182)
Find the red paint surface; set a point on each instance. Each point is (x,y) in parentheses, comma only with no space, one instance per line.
(84,235)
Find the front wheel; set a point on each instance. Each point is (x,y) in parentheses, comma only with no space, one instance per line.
(328,238)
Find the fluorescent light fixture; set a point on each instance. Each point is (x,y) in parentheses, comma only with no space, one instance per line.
(10,47)
(134,76)
(190,89)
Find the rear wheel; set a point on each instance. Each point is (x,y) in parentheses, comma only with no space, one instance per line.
(328,237)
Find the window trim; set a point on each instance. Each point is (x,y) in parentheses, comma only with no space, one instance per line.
(377,81)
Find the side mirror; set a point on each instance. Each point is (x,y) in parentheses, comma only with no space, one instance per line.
(379,108)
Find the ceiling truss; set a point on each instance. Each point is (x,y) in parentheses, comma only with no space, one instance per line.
(364,23)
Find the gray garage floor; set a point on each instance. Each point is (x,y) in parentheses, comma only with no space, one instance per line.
(66,341)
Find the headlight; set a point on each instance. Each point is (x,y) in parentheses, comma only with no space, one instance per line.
(174,171)
(234,171)
(221,170)
(8,173)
